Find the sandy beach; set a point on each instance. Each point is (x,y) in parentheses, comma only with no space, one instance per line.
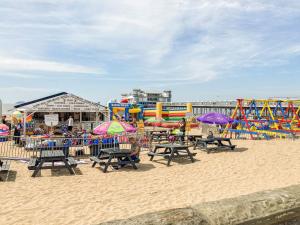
(91,197)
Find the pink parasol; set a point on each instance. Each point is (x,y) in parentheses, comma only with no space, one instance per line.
(114,127)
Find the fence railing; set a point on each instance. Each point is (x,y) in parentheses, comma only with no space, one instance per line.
(258,134)
(14,147)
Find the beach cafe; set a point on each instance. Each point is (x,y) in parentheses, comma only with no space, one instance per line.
(86,114)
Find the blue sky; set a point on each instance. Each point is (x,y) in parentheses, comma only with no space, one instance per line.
(200,49)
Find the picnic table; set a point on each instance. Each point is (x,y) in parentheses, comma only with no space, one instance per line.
(52,156)
(65,149)
(216,142)
(171,151)
(159,136)
(106,156)
(193,137)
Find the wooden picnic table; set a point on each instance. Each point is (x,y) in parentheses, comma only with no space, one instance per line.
(216,142)
(193,137)
(52,156)
(171,151)
(65,149)
(106,156)
(159,136)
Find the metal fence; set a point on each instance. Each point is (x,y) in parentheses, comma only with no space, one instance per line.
(24,148)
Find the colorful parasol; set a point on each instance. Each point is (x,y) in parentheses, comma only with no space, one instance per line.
(114,127)
(17,116)
(4,130)
(214,118)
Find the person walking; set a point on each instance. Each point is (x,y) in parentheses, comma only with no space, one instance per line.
(17,133)
(70,124)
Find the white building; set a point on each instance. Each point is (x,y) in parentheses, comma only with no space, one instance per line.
(148,97)
(86,114)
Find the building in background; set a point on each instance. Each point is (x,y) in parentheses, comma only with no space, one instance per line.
(86,114)
(148,98)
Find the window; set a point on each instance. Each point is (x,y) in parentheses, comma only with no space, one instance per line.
(88,116)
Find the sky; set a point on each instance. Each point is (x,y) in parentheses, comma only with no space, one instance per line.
(199,49)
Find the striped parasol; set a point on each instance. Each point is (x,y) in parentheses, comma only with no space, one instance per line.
(114,127)
(4,130)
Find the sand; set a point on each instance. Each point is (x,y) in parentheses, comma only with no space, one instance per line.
(91,197)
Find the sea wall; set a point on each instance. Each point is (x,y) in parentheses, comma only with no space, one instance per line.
(274,207)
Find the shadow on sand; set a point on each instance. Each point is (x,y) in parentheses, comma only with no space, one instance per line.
(9,176)
(217,150)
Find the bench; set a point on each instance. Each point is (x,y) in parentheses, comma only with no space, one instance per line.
(105,157)
(171,151)
(51,156)
(95,159)
(216,142)
(32,163)
(72,162)
(233,147)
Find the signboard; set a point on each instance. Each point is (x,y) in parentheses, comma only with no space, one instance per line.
(67,103)
(51,120)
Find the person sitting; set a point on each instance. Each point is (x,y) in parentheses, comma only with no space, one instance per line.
(210,135)
(135,149)
(171,135)
(134,155)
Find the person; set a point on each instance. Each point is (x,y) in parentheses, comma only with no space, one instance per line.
(70,123)
(135,149)
(4,119)
(133,122)
(266,125)
(234,126)
(17,133)
(135,152)
(182,126)
(171,135)
(210,135)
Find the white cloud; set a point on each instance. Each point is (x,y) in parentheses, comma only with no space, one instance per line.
(172,41)
(15,64)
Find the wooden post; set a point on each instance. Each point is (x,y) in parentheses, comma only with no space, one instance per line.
(80,119)
(24,123)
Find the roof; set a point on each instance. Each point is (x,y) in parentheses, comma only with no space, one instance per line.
(60,102)
(40,99)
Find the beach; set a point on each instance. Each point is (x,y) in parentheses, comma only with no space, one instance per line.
(92,197)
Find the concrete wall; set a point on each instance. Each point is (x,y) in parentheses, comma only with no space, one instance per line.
(276,207)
